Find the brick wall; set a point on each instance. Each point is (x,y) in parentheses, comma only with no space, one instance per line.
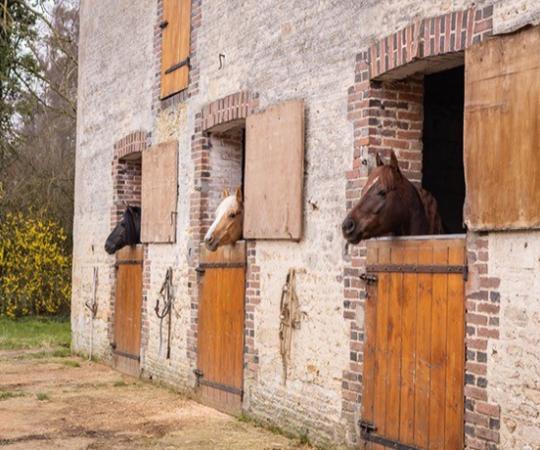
(482,416)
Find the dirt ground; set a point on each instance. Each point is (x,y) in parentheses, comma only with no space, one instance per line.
(69,403)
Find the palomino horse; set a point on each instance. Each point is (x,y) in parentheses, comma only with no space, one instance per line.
(391,205)
(127,232)
(227,226)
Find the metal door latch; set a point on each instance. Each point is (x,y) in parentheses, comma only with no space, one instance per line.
(366,426)
(369,278)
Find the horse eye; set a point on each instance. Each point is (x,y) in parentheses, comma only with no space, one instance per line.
(232,215)
(382,193)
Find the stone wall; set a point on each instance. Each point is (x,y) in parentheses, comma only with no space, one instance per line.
(114,99)
(513,368)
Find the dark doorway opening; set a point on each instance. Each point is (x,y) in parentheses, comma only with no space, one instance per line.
(442,159)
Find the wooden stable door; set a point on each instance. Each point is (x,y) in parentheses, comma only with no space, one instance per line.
(415,349)
(127,310)
(221,327)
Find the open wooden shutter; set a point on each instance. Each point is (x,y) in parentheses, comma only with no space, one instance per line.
(274,172)
(502,132)
(159,193)
(176,26)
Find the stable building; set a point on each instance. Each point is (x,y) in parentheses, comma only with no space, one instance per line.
(418,342)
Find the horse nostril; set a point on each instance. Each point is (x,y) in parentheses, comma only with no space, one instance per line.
(348,226)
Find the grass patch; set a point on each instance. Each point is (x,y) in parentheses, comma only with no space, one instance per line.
(119,383)
(4,395)
(42,396)
(71,363)
(35,332)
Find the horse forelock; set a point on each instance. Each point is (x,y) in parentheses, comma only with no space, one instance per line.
(386,176)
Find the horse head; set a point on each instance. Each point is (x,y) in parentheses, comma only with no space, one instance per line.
(227,226)
(389,205)
(127,232)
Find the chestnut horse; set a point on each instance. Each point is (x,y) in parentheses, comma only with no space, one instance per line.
(391,205)
(227,226)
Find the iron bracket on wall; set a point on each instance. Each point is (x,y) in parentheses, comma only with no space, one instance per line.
(184,62)
(367,433)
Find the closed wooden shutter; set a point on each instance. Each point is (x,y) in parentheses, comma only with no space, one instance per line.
(502,132)
(274,172)
(176,26)
(159,193)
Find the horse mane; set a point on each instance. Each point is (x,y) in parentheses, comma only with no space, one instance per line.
(131,225)
(389,180)
(430,208)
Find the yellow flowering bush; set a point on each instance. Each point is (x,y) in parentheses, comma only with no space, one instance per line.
(35,268)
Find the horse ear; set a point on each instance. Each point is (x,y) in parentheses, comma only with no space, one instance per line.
(225,193)
(239,197)
(379,160)
(393,161)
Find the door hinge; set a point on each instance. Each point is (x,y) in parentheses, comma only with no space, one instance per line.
(367,433)
(200,270)
(369,278)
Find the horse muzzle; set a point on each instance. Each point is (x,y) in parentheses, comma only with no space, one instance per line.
(351,231)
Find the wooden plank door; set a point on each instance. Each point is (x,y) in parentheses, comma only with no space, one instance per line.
(221,328)
(415,344)
(127,310)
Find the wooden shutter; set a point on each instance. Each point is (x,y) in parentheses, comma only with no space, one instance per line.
(274,172)
(159,193)
(502,132)
(176,26)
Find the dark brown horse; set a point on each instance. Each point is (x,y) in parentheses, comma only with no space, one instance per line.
(391,205)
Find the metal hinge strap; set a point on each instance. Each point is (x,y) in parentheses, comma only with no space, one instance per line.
(222,387)
(416,268)
(221,265)
(184,62)
(128,262)
(367,434)
(126,355)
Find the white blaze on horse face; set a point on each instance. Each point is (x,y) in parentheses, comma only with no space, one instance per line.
(228,204)
(368,187)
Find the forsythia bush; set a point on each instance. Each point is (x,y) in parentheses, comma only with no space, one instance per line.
(34,266)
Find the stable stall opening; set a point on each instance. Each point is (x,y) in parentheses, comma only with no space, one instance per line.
(442,156)
(226,160)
